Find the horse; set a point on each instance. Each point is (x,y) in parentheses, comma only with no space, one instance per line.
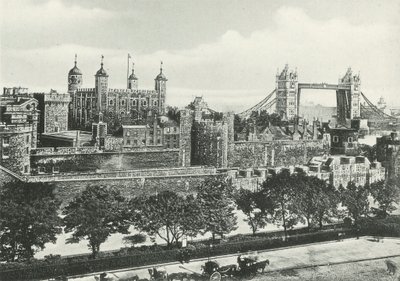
(261,265)
(228,270)
(158,273)
(392,267)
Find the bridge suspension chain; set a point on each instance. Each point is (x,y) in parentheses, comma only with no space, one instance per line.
(265,103)
(374,108)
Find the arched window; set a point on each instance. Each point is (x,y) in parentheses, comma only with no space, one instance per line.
(111,102)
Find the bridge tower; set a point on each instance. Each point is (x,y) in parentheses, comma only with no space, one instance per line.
(287,101)
(348,97)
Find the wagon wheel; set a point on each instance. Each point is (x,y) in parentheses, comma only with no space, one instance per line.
(216,276)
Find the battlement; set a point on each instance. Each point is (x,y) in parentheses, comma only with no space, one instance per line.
(18,128)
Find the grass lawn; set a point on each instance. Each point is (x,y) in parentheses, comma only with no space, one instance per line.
(374,270)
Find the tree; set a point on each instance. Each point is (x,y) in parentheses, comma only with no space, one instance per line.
(315,200)
(215,196)
(355,198)
(386,194)
(28,219)
(94,215)
(279,190)
(167,215)
(246,201)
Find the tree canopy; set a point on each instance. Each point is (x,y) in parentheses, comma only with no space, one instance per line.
(167,215)
(28,219)
(386,194)
(94,215)
(355,198)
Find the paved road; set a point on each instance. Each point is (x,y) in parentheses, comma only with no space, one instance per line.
(331,252)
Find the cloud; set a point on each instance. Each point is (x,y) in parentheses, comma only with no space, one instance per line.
(234,71)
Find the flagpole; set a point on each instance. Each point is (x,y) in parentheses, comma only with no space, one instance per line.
(127,72)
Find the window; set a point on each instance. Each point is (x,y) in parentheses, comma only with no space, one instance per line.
(27,150)
(143,142)
(56,118)
(111,102)
(135,142)
(6,141)
(144,103)
(155,103)
(349,139)
(123,102)
(122,113)
(27,138)
(26,168)
(128,142)
(56,169)
(335,139)
(41,170)
(134,102)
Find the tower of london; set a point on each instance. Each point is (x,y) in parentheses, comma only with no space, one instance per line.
(118,106)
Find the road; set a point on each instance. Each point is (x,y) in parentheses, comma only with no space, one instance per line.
(313,254)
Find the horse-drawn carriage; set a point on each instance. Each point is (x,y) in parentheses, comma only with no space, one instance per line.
(246,267)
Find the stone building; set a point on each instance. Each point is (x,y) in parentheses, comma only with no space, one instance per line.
(388,152)
(341,169)
(54,109)
(17,110)
(344,140)
(19,118)
(287,93)
(117,105)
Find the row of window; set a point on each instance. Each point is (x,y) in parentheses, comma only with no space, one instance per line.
(133,102)
(336,139)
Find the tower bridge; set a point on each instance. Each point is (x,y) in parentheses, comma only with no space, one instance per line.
(287,93)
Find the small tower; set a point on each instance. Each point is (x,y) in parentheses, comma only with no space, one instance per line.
(161,88)
(287,93)
(74,78)
(132,79)
(101,87)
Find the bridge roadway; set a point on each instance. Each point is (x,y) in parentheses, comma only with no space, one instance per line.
(322,86)
(325,253)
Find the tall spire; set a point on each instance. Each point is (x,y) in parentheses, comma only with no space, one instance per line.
(161,66)
(76,58)
(102,58)
(133,68)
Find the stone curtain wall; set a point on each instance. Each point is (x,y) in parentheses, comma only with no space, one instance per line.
(67,190)
(274,154)
(103,161)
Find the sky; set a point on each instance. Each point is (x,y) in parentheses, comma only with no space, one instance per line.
(227,51)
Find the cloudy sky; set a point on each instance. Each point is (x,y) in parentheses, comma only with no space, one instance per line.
(226,51)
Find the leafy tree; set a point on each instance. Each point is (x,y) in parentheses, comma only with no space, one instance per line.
(386,194)
(355,198)
(315,200)
(216,201)
(167,215)
(327,204)
(94,215)
(246,201)
(28,219)
(279,189)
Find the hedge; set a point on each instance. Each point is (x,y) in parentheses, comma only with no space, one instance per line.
(70,267)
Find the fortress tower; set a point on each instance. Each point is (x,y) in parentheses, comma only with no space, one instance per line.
(101,87)
(348,96)
(132,79)
(74,78)
(161,88)
(286,93)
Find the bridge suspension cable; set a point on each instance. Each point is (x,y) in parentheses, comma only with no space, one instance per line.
(265,103)
(374,109)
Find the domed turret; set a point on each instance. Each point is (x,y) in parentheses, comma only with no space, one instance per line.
(74,77)
(132,79)
(101,71)
(161,76)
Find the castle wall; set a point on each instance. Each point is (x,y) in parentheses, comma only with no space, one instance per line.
(106,161)
(275,154)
